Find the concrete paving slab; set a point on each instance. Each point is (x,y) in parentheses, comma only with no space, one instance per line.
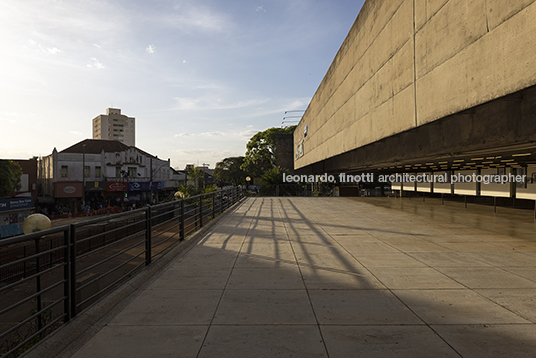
(526,272)
(519,301)
(385,341)
(250,260)
(408,278)
(144,341)
(360,307)
(417,245)
(488,277)
(509,258)
(448,259)
(264,307)
(474,247)
(266,278)
(263,341)
(329,259)
(192,278)
(390,259)
(316,278)
(485,341)
(358,248)
(170,307)
(456,307)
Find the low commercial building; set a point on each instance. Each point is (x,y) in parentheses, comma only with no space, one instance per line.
(98,173)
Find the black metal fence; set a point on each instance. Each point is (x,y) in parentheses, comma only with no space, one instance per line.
(47,278)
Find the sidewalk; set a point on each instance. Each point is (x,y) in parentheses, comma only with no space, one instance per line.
(338,277)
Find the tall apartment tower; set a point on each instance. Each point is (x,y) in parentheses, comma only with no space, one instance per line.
(115,126)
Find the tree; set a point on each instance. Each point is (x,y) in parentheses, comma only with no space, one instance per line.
(272,184)
(196,181)
(229,171)
(10,175)
(260,154)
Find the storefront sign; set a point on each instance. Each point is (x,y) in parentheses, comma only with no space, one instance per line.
(68,190)
(16,203)
(96,186)
(115,186)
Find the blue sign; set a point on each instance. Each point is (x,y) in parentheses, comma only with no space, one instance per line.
(16,203)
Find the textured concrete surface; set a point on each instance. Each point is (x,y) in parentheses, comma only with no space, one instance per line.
(406,63)
(340,277)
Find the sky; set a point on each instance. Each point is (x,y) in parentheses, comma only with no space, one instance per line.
(200,77)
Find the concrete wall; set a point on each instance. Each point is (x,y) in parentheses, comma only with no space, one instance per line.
(406,63)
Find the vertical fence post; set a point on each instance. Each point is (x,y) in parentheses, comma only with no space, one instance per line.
(38,282)
(201,211)
(66,280)
(24,253)
(220,207)
(148,236)
(465,200)
(213,205)
(495,204)
(181,226)
(72,259)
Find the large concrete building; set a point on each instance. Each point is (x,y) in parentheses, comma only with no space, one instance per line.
(429,86)
(115,126)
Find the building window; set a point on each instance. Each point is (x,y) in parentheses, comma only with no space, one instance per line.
(132,172)
(64,171)
(86,171)
(118,172)
(97,172)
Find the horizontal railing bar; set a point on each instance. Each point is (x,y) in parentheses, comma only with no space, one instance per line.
(41,273)
(109,217)
(34,316)
(32,236)
(28,258)
(115,282)
(110,257)
(163,232)
(34,335)
(113,230)
(129,237)
(31,297)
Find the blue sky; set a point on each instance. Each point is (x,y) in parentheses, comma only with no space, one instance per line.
(200,77)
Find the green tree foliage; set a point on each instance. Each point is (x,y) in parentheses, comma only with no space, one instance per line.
(260,154)
(196,181)
(229,171)
(10,175)
(272,184)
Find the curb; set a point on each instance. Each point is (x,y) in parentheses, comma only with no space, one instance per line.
(70,337)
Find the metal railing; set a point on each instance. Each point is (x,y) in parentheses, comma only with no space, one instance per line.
(57,273)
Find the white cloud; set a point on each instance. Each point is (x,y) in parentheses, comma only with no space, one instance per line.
(190,17)
(95,64)
(212,134)
(77,133)
(260,9)
(213,102)
(47,50)
(150,49)
(183,135)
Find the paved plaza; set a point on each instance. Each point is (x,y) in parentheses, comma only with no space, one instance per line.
(338,278)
